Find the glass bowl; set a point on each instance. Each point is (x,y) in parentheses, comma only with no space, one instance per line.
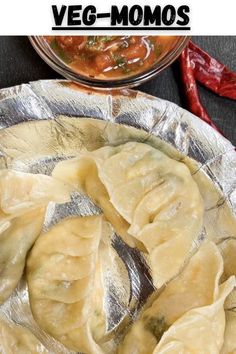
(50,57)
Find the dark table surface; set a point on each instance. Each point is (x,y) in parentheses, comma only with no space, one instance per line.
(19,64)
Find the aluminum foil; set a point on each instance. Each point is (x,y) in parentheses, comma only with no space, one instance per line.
(47,121)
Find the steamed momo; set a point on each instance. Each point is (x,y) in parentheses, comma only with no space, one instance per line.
(21,192)
(200,330)
(196,286)
(15,339)
(65,285)
(151,200)
(228,250)
(15,242)
(23,200)
(229,346)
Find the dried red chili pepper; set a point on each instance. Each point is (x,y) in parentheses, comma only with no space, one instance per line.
(191,91)
(211,73)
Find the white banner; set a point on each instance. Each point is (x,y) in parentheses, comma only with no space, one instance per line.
(45,17)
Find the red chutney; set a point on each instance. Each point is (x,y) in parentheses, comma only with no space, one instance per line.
(111,57)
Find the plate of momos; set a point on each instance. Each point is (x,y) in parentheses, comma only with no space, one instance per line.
(117,225)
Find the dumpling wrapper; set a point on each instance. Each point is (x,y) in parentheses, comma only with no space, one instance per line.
(229,346)
(228,250)
(196,286)
(21,192)
(65,290)
(23,200)
(200,330)
(151,200)
(75,171)
(15,339)
(15,242)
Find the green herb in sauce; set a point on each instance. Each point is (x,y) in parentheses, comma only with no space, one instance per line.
(91,41)
(59,51)
(97,42)
(107,38)
(119,60)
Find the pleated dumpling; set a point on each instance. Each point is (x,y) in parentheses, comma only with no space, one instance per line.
(21,192)
(229,346)
(196,286)
(15,242)
(64,281)
(15,339)
(200,330)
(23,200)
(228,250)
(151,200)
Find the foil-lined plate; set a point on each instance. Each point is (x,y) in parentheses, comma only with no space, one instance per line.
(47,121)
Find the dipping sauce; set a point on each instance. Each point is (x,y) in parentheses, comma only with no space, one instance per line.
(111,57)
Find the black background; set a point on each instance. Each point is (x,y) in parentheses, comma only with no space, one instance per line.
(19,64)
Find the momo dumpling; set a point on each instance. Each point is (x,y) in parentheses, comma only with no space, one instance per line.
(23,200)
(151,200)
(15,242)
(75,171)
(200,330)
(196,286)
(15,339)
(228,251)
(229,346)
(64,281)
(21,192)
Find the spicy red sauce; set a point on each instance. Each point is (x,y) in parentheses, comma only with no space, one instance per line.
(111,57)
